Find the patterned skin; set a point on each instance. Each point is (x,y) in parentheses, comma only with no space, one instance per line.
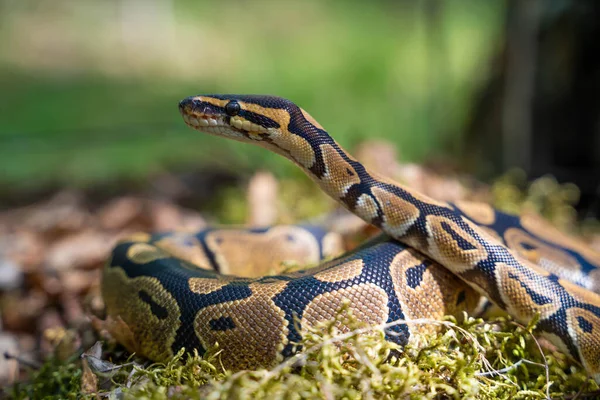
(519,263)
(252,253)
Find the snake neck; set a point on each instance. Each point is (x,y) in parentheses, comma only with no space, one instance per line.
(435,228)
(370,196)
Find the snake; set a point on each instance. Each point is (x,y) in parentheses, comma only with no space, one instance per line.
(165,292)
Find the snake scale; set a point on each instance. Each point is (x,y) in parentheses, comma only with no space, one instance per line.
(435,258)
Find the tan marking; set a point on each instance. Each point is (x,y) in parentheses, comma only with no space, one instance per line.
(550,259)
(490,236)
(445,248)
(142,253)
(588,343)
(264,253)
(399,215)
(519,303)
(207,285)
(367,302)
(481,213)
(279,115)
(260,328)
(136,237)
(336,179)
(539,227)
(178,246)
(581,294)
(211,100)
(426,199)
(297,147)
(139,329)
(341,272)
(436,296)
(310,119)
(412,192)
(366,207)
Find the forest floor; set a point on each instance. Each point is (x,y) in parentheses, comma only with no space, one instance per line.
(52,252)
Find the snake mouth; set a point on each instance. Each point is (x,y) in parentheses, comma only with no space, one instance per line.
(204,120)
(212,119)
(201,115)
(226,126)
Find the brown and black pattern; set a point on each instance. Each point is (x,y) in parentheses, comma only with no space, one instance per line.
(474,242)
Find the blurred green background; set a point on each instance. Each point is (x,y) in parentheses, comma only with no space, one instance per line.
(90,88)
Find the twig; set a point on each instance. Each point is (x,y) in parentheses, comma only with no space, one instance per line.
(303,355)
(497,372)
(21,360)
(580,395)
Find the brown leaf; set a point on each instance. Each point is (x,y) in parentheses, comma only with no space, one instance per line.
(120,212)
(93,357)
(26,248)
(89,380)
(78,281)
(165,216)
(62,213)
(20,312)
(87,249)
(72,309)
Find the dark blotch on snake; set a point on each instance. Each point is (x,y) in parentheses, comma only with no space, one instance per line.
(539,299)
(414,275)
(527,246)
(222,324)
(462,243)
(584,324)
(157,309)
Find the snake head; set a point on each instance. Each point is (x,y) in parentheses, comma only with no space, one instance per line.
(239,117)
(271,122)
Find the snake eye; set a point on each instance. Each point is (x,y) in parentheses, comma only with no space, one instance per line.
(232,108)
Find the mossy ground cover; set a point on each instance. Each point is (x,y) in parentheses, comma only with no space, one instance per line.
(471,359)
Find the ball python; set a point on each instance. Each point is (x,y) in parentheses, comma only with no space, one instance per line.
(434,258)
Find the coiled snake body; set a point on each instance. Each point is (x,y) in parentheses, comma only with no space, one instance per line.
(435,258)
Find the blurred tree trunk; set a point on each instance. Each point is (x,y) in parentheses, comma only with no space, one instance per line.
(541,110)
(521,61)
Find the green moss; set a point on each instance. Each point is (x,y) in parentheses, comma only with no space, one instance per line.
(55,379)
(456,363)
(469,359)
